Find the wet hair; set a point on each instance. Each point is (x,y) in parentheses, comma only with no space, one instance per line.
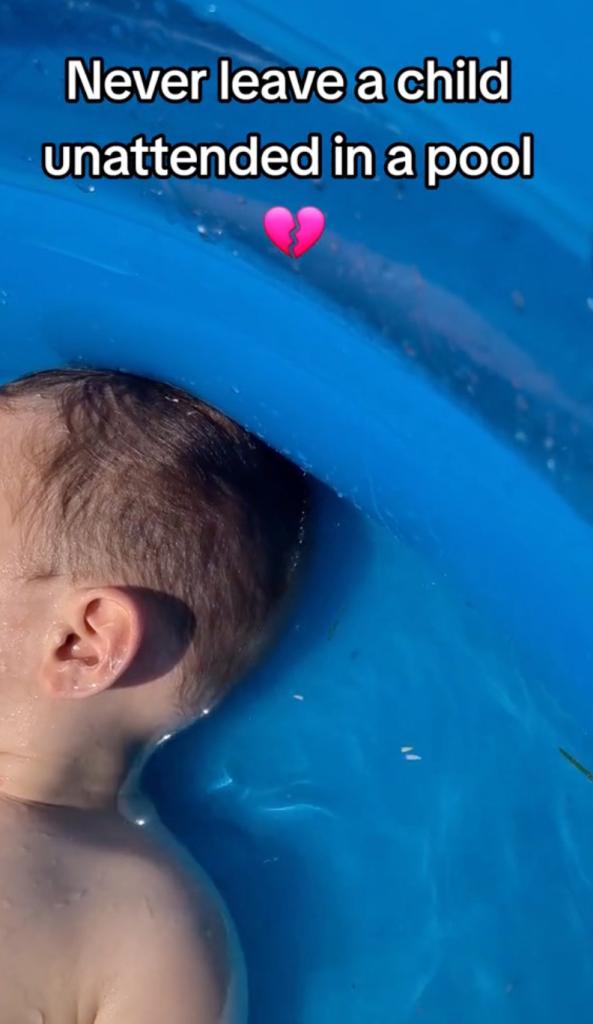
(136,483)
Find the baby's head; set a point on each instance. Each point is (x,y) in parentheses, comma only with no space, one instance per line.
(146,545)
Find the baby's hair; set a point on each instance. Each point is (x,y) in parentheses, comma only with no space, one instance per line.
(137,483)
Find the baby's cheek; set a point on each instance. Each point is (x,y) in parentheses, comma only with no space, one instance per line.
(19,638)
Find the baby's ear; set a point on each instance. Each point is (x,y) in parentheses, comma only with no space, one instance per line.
(93,646)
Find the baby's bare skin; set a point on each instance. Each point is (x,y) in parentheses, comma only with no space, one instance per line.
(100,923)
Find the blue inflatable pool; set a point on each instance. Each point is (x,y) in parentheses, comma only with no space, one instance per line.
(395,807)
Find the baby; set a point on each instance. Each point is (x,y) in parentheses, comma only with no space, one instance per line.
(146,544)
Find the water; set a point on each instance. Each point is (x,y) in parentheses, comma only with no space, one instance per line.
(365,886)
(430,362)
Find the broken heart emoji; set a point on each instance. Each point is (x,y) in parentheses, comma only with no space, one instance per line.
(294,235)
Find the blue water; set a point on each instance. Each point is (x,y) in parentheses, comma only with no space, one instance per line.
(430,363)
(371,888)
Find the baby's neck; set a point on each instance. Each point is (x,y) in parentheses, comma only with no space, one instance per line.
(86,779)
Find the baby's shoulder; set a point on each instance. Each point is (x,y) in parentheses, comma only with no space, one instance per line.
(147,878)
(166,927)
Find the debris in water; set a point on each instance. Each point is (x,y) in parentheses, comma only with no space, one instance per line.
(577,764)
